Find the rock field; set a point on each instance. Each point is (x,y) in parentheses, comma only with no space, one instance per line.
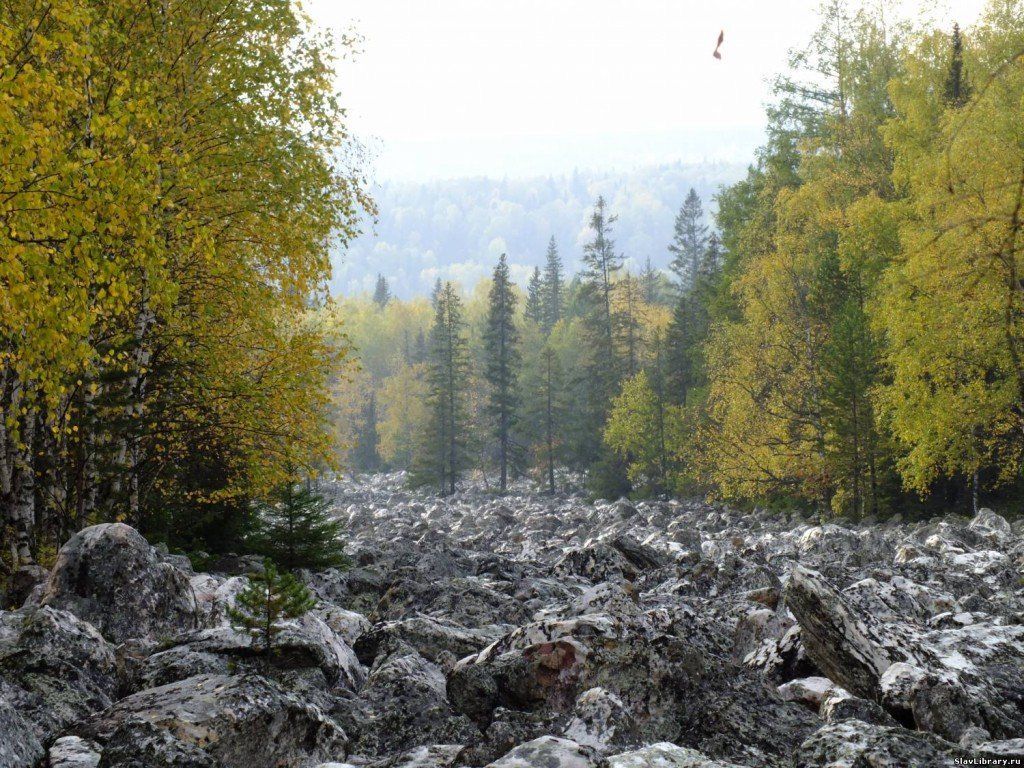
(526,630)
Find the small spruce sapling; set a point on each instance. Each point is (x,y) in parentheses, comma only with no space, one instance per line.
(271,598)
(296,530)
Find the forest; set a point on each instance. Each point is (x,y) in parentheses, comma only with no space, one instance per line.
(844,336)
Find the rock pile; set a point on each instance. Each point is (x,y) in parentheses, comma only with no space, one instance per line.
(527,630)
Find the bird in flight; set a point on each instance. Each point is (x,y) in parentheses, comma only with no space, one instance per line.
(721,37)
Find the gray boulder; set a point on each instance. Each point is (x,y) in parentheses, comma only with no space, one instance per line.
(109,576)
(55,669)
(241,721)
(550,752)
(856,744)
(73,752)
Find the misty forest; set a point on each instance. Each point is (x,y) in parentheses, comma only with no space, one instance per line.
(739,486)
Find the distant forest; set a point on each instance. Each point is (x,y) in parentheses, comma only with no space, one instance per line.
(455,228)
(846,334)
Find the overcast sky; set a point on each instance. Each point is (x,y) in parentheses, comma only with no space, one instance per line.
(512,87)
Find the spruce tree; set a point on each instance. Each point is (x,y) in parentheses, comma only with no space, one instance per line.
(440,453)
(688,240)
(381,293)
(601,265)
(501,368)
(956,90)
(295,529)
(270,599)
(535,298)
(553,281)
(601,327)
(365,457)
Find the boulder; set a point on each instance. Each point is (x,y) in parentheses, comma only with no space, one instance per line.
(403,705)
(55,669)
(596,563)
(240,721)
(550,752)
(109,576)
(600,720)
(73,752)
(665,755)
(856,744)
(849,648)
(436,639)
(810,691)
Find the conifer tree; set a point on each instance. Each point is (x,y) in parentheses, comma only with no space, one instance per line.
(551,403)
(295,529)
(271,598)
(440,454)
(381,293)
(553,281)
(501,368)
(602,323)
(689,238)
(535,310)
(956,90)
(649,282)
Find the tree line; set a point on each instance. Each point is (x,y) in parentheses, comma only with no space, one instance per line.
(846,336)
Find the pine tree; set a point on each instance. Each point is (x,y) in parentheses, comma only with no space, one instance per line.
(553,281)
(956,90)
(535,298)
(688,240)
(270,599)
(440,452)
(295,529)
(381,293)
(501,368)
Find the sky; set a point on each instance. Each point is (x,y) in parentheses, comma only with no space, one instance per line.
(448,88)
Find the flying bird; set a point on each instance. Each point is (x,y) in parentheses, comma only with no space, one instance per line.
(721,37)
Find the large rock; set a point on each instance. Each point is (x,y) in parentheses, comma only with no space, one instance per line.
(944,680)
(54,668)
(667,686)
(302,644)
(403,705)
(665,755)
(242,721)
(73,752)
(550,752)
(856,744)
(851,649)
(109,576)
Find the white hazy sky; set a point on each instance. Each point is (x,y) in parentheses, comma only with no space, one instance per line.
(506,87)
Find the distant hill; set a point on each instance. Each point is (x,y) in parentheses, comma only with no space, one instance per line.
(456,228)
